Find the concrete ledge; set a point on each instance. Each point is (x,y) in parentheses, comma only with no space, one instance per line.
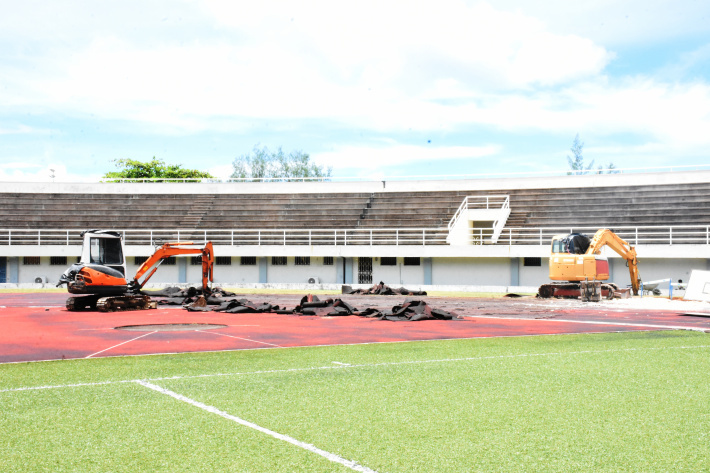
(311,287)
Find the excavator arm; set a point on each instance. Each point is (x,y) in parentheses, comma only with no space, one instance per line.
(151,265)
(606,237)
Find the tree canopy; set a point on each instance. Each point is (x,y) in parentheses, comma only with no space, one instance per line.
(154,169)
(577,164)
(262,163)
(576,161)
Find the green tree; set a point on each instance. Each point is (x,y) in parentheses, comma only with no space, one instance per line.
(576,161)
(154,169)
(262,163)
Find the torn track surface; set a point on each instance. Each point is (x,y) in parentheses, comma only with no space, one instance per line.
(44,331)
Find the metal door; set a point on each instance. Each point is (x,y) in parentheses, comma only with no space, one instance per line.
(3,269)
(364,270)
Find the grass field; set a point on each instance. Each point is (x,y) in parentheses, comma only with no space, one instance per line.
(607,402)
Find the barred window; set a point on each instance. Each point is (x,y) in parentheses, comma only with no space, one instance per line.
(195,260)
(388,261)
(303,260)
(532,261)
(139,260)
(411,260)
(58,260)
(327,261)
(248,261)
(170,261)
(30,260)
(223,260)
(278,261)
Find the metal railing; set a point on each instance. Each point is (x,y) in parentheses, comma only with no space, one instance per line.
(641,235)
(478,202)
(240,237)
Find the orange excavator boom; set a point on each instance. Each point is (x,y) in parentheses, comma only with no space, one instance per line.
(150,266)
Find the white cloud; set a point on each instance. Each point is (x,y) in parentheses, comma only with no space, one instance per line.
(372,157)
(385,66)
(26,172)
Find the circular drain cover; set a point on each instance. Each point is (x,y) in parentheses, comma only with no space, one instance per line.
(169,327)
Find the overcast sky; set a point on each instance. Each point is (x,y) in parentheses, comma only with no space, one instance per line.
(371,88)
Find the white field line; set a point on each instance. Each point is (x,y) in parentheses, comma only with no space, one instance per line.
(353,465)
(238,338)
(599,322)
(346,366)
(122,343)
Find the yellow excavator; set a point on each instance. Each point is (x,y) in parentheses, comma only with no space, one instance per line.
(575,261)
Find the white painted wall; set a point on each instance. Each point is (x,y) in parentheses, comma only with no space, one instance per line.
(652,269)
(28,273)
(445,271)
(471,271)
(534,275)
(396,275)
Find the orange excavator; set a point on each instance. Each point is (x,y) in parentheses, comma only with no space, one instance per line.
(576,262)
(100,273)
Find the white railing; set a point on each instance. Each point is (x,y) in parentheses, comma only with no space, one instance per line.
(663,235)
(240,237)
(479,202)
(642,235)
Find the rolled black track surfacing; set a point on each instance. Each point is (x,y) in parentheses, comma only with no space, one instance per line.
(169,327)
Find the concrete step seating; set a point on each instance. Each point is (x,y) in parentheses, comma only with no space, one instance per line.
(656,205)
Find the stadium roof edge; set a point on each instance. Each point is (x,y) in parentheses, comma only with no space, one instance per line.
(335,187)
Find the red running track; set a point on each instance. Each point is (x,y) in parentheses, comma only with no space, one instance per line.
(48,331)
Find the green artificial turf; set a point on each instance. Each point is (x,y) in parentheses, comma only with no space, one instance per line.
(605,402)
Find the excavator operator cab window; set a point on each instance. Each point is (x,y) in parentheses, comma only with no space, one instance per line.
(106,251)
(558,246)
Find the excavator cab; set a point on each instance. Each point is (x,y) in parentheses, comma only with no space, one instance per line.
(105,248)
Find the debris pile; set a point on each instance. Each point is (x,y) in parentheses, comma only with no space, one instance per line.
(310,305)
(383,289)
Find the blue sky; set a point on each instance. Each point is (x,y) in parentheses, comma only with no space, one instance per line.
(371,88)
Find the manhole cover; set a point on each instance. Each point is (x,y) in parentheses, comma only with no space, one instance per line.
(169,327)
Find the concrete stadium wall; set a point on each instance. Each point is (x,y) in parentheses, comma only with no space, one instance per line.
(444,271)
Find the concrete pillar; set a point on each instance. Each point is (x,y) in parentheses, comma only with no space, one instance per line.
(426,262)
(13,269)
(339,270)
(515,271)
(182,270)
(348,270)
(263,273)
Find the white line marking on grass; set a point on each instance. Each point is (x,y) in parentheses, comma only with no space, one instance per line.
(599,322)
(238,338)
(344,366)
(353,465)
(341,364)
(122,343)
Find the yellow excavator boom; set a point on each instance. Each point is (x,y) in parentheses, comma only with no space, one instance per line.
(606,237)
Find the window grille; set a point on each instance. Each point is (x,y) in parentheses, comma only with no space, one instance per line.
(58,260)
(278,261)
